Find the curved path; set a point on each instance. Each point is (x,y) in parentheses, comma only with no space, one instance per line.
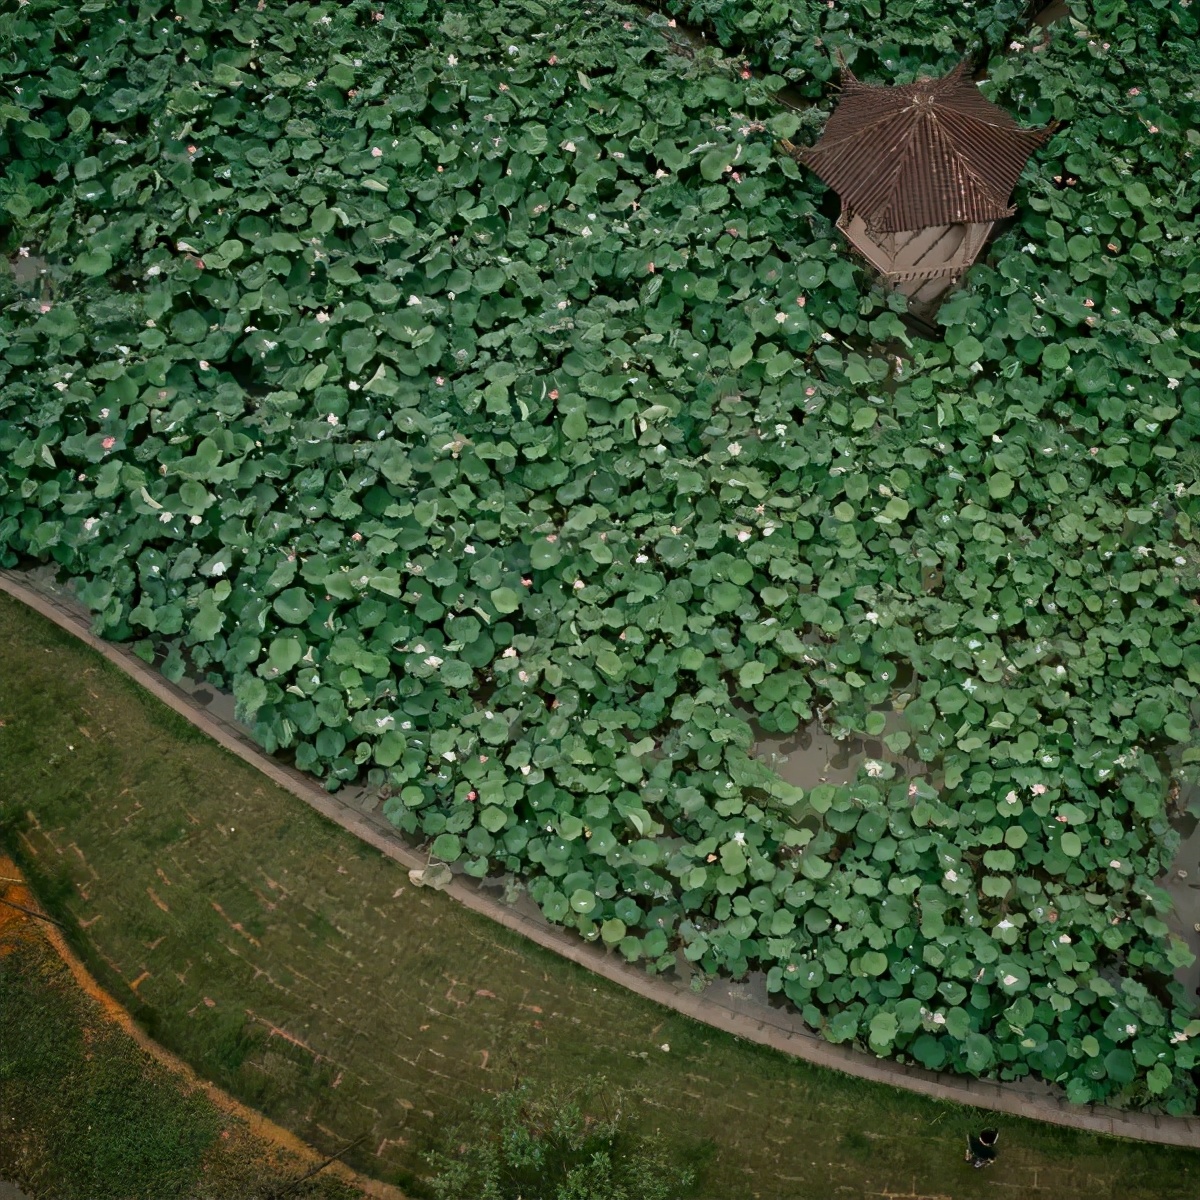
(732,1008)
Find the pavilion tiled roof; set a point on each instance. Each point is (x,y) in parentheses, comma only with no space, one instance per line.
(933,152)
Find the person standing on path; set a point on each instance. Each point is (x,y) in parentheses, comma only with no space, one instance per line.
(981,1148)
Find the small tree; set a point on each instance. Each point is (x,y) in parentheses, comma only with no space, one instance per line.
(580,1143)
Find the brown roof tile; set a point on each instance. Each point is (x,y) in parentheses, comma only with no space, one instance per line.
(932,152)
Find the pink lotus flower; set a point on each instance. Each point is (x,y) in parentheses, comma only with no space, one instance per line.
(472,795)
(109,443)
(1038,789)
(746,74)
(553,60)
(554,393)
(800,300)
(45,306)
(1134,92)
(356,537)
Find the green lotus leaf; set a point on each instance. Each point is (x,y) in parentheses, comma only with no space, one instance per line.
(544,554)
(293,606)
(612,931)
(447,847)
(389,748)
(94,262)
(873,963)
(505,599)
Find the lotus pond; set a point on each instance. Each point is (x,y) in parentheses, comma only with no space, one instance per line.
(482,397)
(300,970)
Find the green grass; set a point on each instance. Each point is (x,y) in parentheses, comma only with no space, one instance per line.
(107,1123)
(397,1008)
(85,1112)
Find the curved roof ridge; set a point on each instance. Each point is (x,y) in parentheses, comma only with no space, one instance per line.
(929,152)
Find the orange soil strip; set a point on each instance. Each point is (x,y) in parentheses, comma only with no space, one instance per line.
(16,927)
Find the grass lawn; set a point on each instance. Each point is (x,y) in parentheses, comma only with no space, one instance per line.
(299,969)
(86,1112)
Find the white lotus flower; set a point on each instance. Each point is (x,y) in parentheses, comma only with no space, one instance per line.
(579,585)
(509,652)
(166,518)
(1009,980)
(739,837)
(332,419)
(433,661)
(952,876)
(218,568)
(1131,1030)
(734,449)
(1006,924)
(873,617)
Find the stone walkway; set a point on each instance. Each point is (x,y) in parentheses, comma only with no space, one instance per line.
(738,1008)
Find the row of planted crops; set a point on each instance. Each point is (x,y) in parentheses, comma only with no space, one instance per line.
(480,394)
